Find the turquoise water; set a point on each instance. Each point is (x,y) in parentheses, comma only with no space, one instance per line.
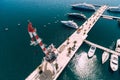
(18,59)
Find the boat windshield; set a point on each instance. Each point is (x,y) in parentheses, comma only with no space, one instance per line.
(71,24)
(114,58)
(92,48)
(114,63)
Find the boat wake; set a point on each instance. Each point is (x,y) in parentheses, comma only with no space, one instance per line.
(85,68)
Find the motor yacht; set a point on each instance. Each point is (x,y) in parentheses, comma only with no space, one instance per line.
(84,6)
(70,23)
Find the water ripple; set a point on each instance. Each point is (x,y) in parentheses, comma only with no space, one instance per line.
(84,68)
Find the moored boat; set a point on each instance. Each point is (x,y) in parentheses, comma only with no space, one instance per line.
(84,6)
(77,15)
(114,9)
(70,23)
(91,51)
(105,57)
(114,57)
(114,62)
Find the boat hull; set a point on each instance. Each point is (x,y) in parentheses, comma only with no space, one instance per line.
(105,57)
(114,63)
(78,16)
(91,51)
(74,25)
(82,8)
(114,9)
(114,58)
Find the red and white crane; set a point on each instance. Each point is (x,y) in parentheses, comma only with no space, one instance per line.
(50,52)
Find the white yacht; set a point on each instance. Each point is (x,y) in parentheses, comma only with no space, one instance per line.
(114,9)
(70,23)
(84,6)
(105,57)
(77,15)
(114,58)
(91,51)
(118,46)
(114,62)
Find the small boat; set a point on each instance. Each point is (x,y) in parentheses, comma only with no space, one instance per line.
(114,9)
(114,62)
(91,51)
(84,6)
(118,46)
(114,57)
(6,29)
(70,23)
(77,15)
(105,57)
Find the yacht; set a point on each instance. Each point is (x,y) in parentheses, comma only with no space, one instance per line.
(118,46)
(84,6)
(114,9)
(105,57)
(114,62)
(114,57)
(91,51)
(70,23)
(77,15)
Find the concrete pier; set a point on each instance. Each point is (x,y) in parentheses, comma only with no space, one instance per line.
(103,48)
(66,50)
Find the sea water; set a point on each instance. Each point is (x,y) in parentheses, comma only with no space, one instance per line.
(18,59)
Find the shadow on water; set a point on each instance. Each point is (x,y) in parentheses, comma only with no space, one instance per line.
(75,8)
(116,12)
(118,23)
(110,70)
(119,70)
(75,18)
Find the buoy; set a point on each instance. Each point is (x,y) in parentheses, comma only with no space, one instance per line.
(6,29)
(18,24)
(55,21)
(28,20)
(48,23)
(44,25)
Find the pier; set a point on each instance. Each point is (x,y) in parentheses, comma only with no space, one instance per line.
(110,17)
(101,47)
(66,50)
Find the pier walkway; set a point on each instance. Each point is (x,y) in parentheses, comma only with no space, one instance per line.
(101,47)
(110,17)
(78,36)
(66,50)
